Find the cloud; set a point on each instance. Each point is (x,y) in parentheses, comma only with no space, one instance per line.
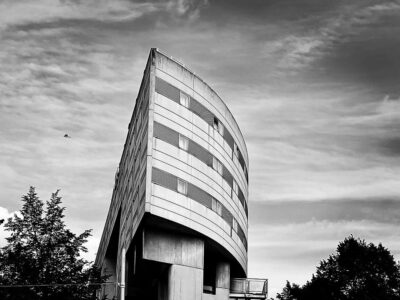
(292,251)
(187,7)
(313,39)
(380,210)
(28,11)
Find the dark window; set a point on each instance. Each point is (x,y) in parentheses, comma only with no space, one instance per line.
(164,179)
(199,195)
(167,90)
(226,215)
(235,187)
(227,176)
(209,273)
(166,134)
(228,138)
(217,165)
(201,111)
(200,153)
(218,126)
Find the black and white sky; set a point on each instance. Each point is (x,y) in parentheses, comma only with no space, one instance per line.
(313,84)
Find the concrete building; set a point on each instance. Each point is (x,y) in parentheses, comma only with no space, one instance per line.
(177,223)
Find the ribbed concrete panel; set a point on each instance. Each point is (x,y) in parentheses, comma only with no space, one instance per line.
(176,158)
(203,182)
(226,204)
(203,138)
(167,205)
(179,76)
(206,109)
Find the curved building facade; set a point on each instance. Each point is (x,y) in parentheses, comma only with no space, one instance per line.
(177,224)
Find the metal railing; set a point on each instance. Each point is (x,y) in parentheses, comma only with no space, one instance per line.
(249,286)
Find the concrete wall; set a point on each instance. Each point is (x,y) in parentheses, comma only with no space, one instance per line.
(185,283)
(171,248)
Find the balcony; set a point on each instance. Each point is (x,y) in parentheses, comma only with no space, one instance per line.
(248,288)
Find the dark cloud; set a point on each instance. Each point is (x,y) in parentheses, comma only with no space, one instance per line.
(390,146)
(262,12)
(369,59)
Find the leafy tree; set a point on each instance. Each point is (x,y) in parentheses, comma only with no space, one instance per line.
(41,260)
(357,271)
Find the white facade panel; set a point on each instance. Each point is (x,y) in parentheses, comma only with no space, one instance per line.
(207,224)
(189,174)
(210,139)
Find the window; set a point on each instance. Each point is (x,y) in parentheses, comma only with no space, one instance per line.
(216,123)
(182,186)
(218,126)
(216,206)
(236,150)
(209,272)
(184,99)
(234,225)
(183,142)
(217,166)
(221,129)
(235,187)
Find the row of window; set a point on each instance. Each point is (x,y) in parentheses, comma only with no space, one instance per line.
(173,93)
(127,181)
(181,186)
(176,139)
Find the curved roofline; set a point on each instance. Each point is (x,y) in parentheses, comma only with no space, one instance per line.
(202,80)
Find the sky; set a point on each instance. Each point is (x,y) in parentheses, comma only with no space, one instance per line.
(313,84)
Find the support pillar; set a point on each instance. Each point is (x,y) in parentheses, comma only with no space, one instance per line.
(185,283)
(222,286)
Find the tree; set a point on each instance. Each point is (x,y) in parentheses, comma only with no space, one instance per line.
(41,260)
(357,271)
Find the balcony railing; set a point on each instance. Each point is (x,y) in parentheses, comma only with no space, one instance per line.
(249,288)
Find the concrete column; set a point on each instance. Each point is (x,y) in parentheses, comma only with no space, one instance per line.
(110,269)
(185,283)
(222,277)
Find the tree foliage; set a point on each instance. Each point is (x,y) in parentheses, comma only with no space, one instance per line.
(41,251)
(357,271)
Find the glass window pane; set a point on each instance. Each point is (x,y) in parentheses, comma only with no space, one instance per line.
(234,225)
(214,204)
(221,128)
(235,187)
(183,142)
(219,167)
(215,163)
(182,186)
(184,99)
(219,208)
(215,125)
(236,150)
